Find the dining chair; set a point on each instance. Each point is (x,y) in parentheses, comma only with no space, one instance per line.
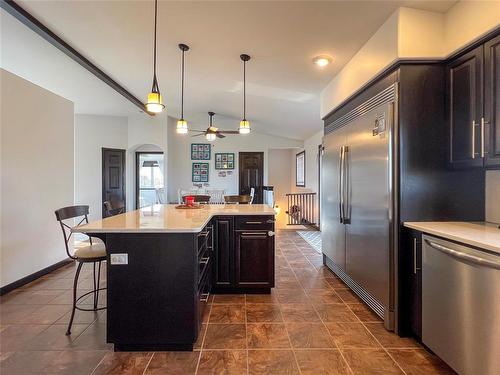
(160,196)
(237,199)
(94,253)
(252,195)
(113,208)
(216,195)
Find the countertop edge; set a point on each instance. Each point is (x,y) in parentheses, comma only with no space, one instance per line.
(180,230)
(452,236)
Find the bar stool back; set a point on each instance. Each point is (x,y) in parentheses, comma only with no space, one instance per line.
(92,253)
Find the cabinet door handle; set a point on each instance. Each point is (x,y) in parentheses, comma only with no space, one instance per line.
(473,139)
(415,255)
(482,137)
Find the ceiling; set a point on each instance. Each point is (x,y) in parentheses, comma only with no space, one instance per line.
(282,37)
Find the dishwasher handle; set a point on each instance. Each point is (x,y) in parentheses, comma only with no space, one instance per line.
(464,256)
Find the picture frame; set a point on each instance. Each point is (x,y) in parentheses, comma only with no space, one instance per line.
(300,169)
(224,160)
(200,172)
(200,151)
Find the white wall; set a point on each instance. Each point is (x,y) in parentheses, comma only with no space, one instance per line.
(493,196)
(280,176)
(92,133)
(411,34)
(180,163)
(37,176)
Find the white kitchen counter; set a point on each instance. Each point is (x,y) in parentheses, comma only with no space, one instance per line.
(482,235)
(165,218)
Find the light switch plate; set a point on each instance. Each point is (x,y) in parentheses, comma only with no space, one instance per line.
(119,259)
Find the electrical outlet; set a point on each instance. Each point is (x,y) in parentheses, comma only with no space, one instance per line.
(117,259)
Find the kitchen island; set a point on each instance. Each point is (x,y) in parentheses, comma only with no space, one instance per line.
(164,263)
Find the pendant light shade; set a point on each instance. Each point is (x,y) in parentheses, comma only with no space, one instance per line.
(244,123)
(155,101)
(210,137)
(182,126)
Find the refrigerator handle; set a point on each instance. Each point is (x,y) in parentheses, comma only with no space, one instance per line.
(341,185)
(345,199)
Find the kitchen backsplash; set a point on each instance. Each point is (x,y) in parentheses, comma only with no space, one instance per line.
(493,196)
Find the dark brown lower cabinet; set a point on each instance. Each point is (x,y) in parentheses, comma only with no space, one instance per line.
(244,254)
(411,298)
(254,259)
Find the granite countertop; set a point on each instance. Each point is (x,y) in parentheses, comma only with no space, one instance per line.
(165,218)
(482,235)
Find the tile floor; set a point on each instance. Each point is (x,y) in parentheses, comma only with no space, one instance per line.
(311,324)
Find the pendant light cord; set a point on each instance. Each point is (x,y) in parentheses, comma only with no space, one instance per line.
(155,83)
(182,87)
(244,91)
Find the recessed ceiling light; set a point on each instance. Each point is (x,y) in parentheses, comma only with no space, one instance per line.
(322,60)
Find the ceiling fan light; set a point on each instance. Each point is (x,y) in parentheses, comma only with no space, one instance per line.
(210,137)
(244,127)
(155,103)
(182,126)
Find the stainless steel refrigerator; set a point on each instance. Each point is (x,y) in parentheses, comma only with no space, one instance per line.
(356,203)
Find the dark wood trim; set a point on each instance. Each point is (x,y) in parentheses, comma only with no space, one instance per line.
(28,279)
(34,24)
(296,157)
(137,154)
(124,177)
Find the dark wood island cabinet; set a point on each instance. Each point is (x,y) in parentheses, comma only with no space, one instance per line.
(163,265)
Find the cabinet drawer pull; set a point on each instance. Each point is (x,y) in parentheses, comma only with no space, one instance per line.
(204,297)
(253,222)
(203,234)
(254,234)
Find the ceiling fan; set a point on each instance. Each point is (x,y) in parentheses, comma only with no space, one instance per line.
(212,132)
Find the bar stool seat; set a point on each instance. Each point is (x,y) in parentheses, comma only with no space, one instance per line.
(97,250)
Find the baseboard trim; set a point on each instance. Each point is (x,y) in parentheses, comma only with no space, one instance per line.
(28,279)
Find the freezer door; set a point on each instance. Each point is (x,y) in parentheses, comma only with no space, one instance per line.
(332,230)
(367,229)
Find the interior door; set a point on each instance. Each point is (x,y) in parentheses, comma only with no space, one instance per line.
(113,176)
(367,201)
(332,229)
(251,174)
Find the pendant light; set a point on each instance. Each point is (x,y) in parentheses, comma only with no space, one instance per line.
(244,123)
(155,102)
(210,135)
(182,126)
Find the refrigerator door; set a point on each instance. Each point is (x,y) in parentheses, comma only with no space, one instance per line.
(368,200)
(332,229)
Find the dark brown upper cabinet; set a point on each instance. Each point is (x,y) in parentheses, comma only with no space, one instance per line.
(492,101)
(473,107)
(464,109)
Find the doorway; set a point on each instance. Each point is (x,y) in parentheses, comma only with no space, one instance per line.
(251,174)
(149,182)
(113,177)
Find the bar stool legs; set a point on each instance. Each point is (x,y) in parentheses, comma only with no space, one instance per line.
(95,291)
(75,285)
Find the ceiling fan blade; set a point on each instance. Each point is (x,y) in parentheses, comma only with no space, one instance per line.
(199,131)
(229,131)
(197,135)
(219,135)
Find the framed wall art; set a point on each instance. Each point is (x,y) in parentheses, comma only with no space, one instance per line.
(224,160)
(300,169)
(200,172)
(200,151)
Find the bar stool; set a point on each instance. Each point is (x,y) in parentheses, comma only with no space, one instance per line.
(93,253)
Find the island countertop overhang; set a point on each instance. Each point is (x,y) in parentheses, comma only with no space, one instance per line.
(165,218)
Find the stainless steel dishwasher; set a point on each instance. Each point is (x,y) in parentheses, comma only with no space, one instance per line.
(461,306)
